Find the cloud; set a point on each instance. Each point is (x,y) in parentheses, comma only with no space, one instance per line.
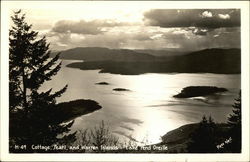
(199,31)
(225,37)
(85,27)
(114,37)
(206,14)
(149,37)
(226,16)
(201,18)
(156,36)
(217,38)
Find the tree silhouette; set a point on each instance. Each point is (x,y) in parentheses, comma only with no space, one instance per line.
(203,140)
(234,121)
(32,115)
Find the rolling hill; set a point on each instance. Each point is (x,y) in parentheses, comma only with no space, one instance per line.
(104,54)
(168,52)
(220,61)
(210,60)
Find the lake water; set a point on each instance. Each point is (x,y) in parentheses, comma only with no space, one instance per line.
(148,110)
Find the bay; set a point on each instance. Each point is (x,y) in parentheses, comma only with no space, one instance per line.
(148,110)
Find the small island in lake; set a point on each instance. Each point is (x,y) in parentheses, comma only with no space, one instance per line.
(102,83)
(120,89)
(195,91)
(66,111)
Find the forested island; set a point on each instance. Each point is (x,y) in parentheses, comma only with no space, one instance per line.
(102,83)
(66,111)
(195,91)
(120,89)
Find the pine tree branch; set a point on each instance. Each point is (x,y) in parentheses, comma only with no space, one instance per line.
(60,92)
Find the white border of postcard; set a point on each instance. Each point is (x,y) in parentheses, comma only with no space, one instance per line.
(6,7)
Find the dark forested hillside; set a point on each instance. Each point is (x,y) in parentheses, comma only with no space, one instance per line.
(211,60)
(221,61)
(164,52)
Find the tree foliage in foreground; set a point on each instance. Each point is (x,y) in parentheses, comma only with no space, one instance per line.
(32,115)
(211,137)
(203,139)
(235,132)
(97,137)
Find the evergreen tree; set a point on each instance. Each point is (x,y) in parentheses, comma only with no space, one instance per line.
(203,139)
(234,121)
(32,113)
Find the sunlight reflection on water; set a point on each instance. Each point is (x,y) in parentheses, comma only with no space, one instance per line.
(148,110)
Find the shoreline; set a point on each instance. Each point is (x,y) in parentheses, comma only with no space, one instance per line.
(67,111)
(177,139)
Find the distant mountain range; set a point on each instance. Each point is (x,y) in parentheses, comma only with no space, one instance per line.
(211,60)
(104,54)
(164,52)
(130,62)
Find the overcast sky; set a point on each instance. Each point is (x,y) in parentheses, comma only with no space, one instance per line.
(140,26)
